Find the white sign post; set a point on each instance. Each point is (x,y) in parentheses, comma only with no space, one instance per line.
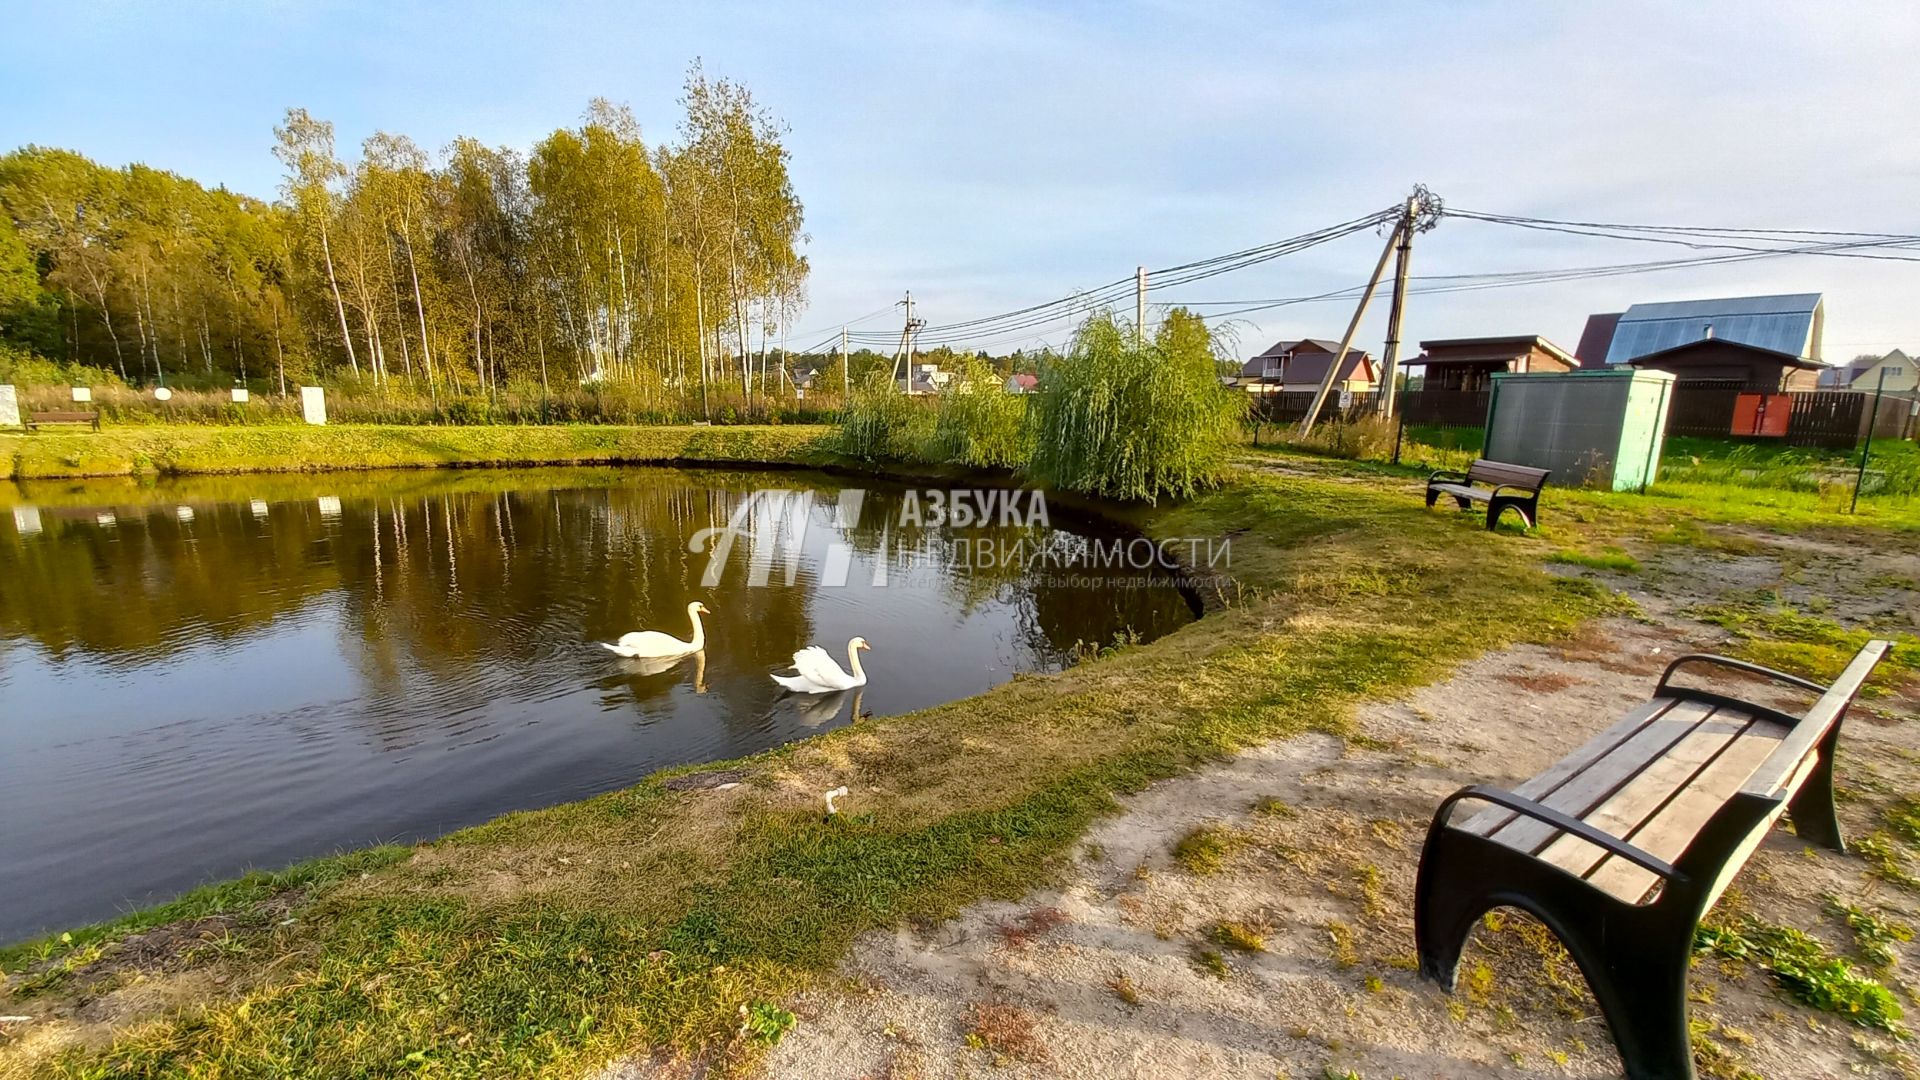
(1346,399)
(9,407)
(83,393)
(240,395)
(313,404)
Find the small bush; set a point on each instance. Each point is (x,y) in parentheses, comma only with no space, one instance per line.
(978,422)
(883,424)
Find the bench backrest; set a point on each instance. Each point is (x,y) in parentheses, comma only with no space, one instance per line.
(1781,775)
(1499,473)
(60,417)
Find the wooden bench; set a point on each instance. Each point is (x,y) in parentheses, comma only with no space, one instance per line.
(1515,486)
(57,416)
(1622,847)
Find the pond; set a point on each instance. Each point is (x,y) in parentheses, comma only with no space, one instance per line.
(202,676)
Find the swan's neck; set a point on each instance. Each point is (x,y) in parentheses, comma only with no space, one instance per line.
(699,639)
(853,661)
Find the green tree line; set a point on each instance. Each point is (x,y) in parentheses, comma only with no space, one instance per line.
(590,257)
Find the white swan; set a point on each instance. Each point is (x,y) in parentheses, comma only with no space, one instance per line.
(818,674)
(655,645)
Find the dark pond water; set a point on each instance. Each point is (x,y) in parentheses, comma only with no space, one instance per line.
(206,676)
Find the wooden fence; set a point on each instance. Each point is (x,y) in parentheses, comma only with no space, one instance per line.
(1291,407)
(1445,408)
(1836,419)
(1424,408)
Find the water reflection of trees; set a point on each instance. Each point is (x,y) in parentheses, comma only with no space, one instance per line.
(489,578)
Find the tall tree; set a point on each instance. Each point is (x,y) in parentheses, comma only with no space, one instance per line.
(305,148)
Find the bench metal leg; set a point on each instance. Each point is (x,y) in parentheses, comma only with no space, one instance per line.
(1641,985)
(1812,809)
(1634,958)
(1432,497)
(1526,508)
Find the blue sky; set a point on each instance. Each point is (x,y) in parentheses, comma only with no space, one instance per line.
(989,156)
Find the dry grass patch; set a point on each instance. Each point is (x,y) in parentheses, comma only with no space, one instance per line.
(1039,922)
(1007,1031)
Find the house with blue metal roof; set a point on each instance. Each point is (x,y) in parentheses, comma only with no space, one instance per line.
(1789,324)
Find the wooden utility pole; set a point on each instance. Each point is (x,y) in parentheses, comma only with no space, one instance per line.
(906,345)
(1353,327)
(1140,305)
(1390,358)
(900,354)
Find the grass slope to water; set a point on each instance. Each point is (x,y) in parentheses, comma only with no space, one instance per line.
(549,942)
(193,449)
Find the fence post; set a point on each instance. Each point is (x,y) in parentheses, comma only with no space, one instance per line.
(1866,445)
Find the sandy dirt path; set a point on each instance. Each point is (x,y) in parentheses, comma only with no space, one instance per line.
(1253,919)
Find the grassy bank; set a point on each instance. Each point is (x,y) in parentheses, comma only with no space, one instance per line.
(667,914)
(183,449)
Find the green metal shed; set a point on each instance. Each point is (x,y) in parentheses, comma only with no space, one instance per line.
(1594,428)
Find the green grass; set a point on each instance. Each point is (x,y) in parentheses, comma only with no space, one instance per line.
(1238,936)
(1768,631)
(547,942)
(175,449)
(1806,970)
(1205,850)
(1611,559)
(1875,938)
(236,896)
(1719,488)
(1893,466)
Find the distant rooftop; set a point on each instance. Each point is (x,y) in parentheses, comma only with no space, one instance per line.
(1281,348)
(1791,323)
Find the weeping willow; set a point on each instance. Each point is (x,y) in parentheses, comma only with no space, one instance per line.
(979,424)
(1132,421)
(882,424)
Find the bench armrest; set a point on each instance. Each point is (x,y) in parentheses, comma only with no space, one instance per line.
(1570,825)
(1737,665)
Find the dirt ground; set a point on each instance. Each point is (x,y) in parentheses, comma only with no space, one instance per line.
(1254,919)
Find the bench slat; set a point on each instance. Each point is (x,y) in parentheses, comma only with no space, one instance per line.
(1480,494)
(1666,806)
(1597,782)
(1486,821)
(1499,472)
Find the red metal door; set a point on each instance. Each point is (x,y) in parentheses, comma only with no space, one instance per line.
(1762,414)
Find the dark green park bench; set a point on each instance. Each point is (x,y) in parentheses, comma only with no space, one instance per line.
(1625,844)
(1515,487)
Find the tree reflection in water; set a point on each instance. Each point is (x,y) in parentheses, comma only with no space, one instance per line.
(200,676)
